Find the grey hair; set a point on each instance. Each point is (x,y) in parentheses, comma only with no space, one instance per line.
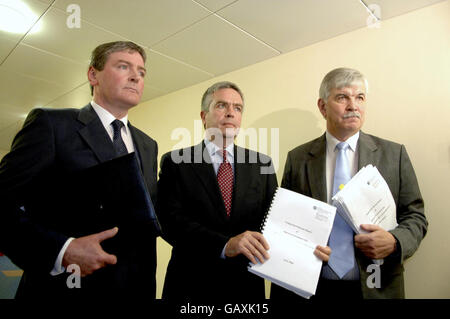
(339,78)
(207,96)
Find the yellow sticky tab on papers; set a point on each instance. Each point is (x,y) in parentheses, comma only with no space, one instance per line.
(341,186)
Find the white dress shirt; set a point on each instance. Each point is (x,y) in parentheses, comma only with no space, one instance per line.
(216,154)
(106,118)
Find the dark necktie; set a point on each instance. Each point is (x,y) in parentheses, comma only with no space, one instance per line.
(119,145)
(225,179)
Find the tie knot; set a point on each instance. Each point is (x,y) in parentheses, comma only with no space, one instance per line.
(224,155)
(342,146)
(117,125)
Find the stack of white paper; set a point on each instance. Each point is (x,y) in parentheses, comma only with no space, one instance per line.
(366,199)
(294,226)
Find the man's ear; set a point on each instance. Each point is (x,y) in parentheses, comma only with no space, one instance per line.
(203,116)
(322,108)
(92,76)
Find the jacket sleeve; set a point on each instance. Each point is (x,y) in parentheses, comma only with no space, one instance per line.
(286,181)
(26,243)
(177,227)
(412,223)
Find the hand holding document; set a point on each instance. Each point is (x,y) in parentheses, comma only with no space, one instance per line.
(294,226)
(367,199)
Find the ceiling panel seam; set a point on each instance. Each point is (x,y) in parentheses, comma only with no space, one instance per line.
(26,33)
(68,92)
(248,33)
(179,61)
(229,4)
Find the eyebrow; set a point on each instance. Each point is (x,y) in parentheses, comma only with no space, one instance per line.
(129,63)
(234,104)
(345,94)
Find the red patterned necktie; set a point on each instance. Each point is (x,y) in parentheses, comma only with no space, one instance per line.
(225,180)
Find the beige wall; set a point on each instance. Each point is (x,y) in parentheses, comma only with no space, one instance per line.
(407,62)
(3,153)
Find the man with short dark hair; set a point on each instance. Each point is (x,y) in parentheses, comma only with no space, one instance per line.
(55,144)
(316,169)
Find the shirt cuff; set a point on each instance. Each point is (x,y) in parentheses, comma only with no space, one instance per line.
(58,267)
(222,255)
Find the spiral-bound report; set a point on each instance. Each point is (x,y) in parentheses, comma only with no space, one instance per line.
(294,225)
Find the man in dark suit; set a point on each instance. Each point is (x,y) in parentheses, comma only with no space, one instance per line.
(46,155)
(212,198)
(211,231)
(310,171)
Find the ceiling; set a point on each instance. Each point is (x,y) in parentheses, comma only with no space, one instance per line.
(187,42)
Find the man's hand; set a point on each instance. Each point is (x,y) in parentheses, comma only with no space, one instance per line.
(323,253)
(87,253)
(377,244)
(251,244)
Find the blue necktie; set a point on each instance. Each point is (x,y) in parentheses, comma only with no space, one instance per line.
(119,145)
(342,258)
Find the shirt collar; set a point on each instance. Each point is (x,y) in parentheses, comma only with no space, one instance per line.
(214,150)
(333,141)
(105,117)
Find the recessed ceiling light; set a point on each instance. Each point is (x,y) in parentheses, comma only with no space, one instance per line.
(17,17)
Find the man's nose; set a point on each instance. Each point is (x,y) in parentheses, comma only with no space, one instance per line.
(134,76)
(230,111)
(352,104)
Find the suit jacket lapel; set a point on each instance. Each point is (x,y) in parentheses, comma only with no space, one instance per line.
(142,153)
(242,178)
(201,164)
(366,149)
(316,168)
(95,135)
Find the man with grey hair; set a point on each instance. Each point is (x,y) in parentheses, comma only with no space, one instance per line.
(319,167)
(38,219)
(211,205)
